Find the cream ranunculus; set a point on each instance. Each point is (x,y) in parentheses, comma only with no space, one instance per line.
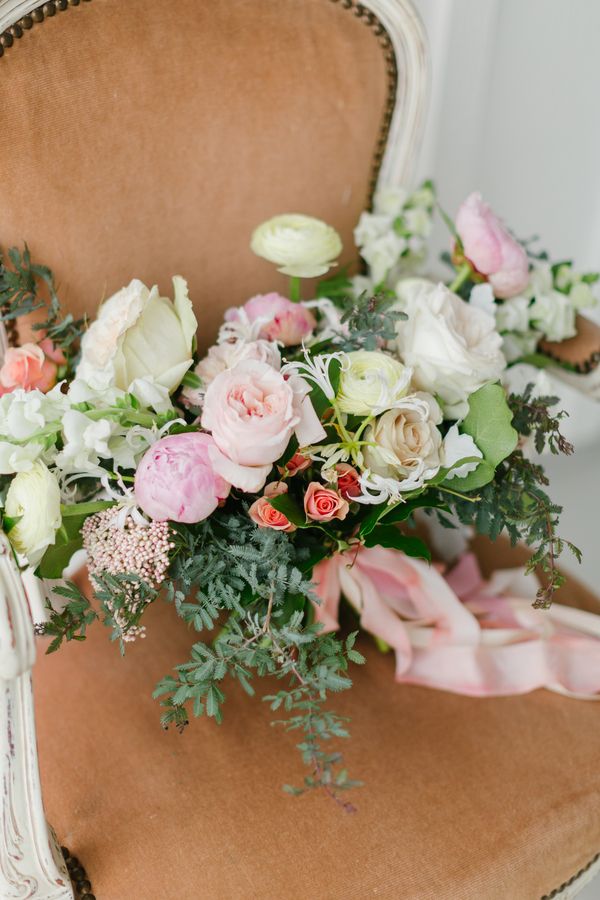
(371,383)
(139,334)
(300,246)
(408,441)
(452,347)
(34,498)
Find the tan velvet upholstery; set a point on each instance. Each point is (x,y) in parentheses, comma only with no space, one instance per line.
(144,138)
(464,799)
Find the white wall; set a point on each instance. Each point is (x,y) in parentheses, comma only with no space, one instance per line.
(514,113)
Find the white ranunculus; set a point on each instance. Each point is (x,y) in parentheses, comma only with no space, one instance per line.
(300,246)
(406,439)
(452,348)
(371,382)
(513,314)
(553,314)
(456,447)
(34,498)
(138,333)
(382,254)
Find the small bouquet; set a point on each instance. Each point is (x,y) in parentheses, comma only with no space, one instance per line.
(255,485)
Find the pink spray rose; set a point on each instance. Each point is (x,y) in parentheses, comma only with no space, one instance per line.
(348,481)
(322,504)
(252,412)
(265,515)
(175,479)
(284,320)
(30,367)
(490,248)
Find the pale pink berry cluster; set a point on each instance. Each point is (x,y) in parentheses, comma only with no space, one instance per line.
(141,550)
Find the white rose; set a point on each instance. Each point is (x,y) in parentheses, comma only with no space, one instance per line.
(34,498)
(456,447)
(382,254)
(453,348)
(138,333)
(300,246)
(513,314)
(553,314)
(371,382)
(408,441)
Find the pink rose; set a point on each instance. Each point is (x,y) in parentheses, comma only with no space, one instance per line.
(252,412)
(490,248)
(298,463)
(176,480)
(284,321)
(53,352)
(348,481)
(265,515)
(27,367)
(221,357)
(321,504)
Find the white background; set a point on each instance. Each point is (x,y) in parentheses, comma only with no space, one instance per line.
(513,113)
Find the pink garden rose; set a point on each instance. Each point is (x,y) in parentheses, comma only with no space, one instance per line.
(490,248)
(221,357)
(252,412)
(284,320)
(348,481)
(322,504)
(265,515)
(176,480)
(30,366)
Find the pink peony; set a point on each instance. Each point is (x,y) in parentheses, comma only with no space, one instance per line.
(265,515)
(348,481)
(321,504)
(490,248)
(28,367)
(252,412)
(176,480)
(284,321)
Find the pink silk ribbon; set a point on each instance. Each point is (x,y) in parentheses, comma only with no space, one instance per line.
(458,632)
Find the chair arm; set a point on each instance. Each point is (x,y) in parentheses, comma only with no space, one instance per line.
(582,352)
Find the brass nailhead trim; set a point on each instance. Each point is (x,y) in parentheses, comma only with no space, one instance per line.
(566,884)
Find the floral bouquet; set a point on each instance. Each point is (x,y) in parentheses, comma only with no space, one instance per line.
(297,462)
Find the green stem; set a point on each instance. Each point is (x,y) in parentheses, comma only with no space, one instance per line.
(446,490)
(295,289)
(147,420)
(462,275)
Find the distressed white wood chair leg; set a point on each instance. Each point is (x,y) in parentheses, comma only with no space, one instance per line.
(31,863)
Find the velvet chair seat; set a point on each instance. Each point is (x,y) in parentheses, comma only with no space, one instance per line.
(464,799)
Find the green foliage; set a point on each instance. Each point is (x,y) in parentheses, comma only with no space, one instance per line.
(71,623)
(531,418)
(370,322)
(391,536)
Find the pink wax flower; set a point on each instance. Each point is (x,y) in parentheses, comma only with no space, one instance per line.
(265,515)
(322,504)
(348,481)
(176,480)
(298,463)
(252,412)
(29,367)
(490,248)
(284,320)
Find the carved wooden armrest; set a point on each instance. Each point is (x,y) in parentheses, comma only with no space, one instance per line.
(582,352)
(31,863)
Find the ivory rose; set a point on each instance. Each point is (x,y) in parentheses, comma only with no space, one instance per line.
(34,499)
(407,439)
(139,335)
(490,248)
(225,356)
(283,321)
(176,480)
(371,382)
(452,347)
(29,367)
(299,245)
(322,504)
(252,412)
(265,515)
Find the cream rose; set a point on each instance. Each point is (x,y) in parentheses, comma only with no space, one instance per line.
(34,498)
(252,412)
(408,441)
(371,383)
(139,334)
(299,245)
(452,347)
